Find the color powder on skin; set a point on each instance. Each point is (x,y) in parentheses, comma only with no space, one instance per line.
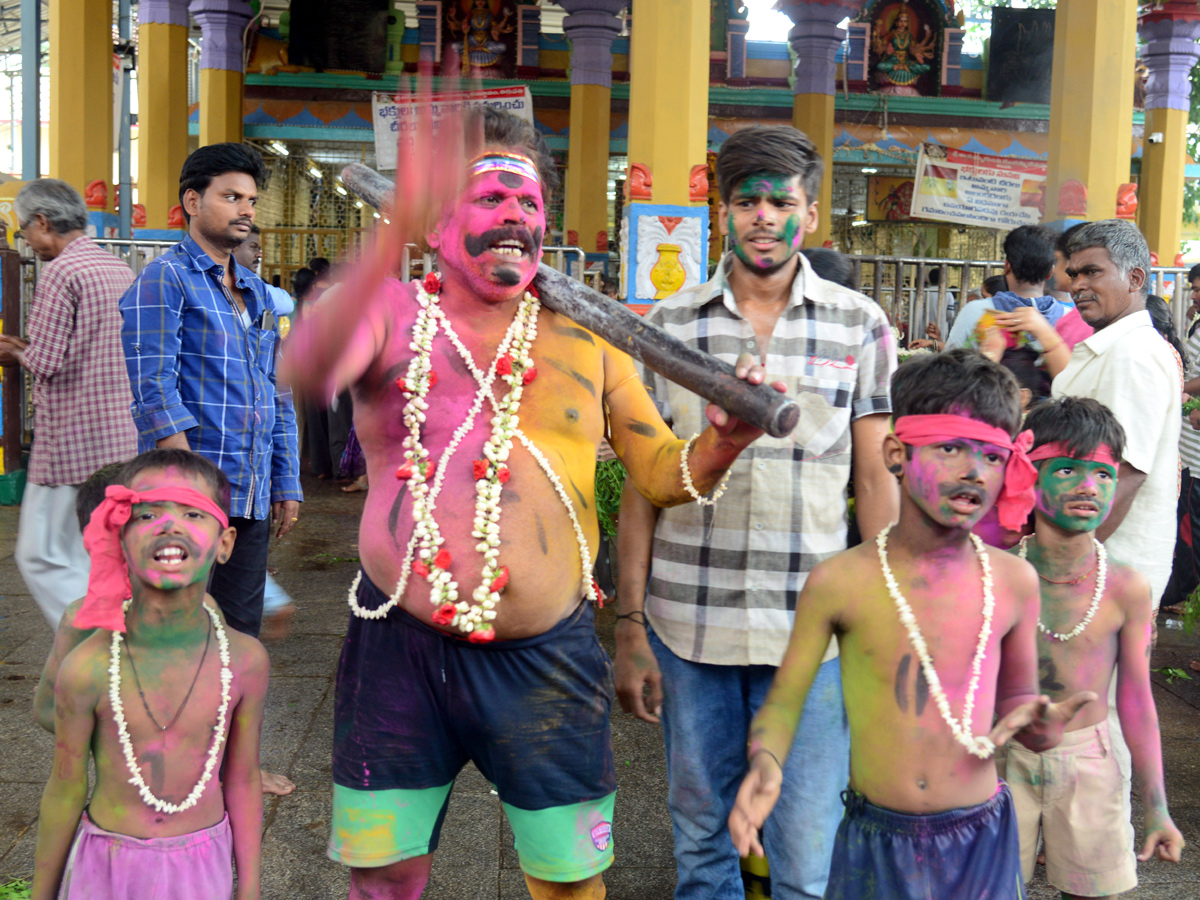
(956,482)
(781,220)
(493,236)
(1075,494)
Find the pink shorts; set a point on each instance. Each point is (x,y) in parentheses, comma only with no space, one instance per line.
(103,865)
(1073,794)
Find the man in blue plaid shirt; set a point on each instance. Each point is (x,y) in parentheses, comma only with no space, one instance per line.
(200,334)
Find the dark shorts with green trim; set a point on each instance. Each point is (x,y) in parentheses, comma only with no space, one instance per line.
(414,705)
(961,854)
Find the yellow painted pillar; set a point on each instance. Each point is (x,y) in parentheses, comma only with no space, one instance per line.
(81,93)
(668,93)
(1171,51)
(813,114)
(591,27)
(162,105)
(816,37)
(222,23)
(221,94)
(665,229)
(1091,106)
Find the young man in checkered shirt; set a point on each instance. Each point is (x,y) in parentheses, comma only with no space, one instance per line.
(712,590)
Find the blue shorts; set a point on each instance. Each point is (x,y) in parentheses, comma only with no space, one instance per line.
(414,705)
(962,854)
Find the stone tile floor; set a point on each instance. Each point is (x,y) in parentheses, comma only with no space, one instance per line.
(476,859)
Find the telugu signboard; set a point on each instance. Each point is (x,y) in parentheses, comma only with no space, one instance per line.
(395,115)
(978,189)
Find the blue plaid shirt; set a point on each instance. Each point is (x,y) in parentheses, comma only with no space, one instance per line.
(195,367)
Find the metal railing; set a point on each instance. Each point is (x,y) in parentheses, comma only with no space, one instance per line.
(899,285)
(570,261)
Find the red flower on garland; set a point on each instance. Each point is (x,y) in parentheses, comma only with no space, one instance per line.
(502,474)
(479,468)
(433,284)
(433,378)
(444,614)
(482,636)
(442,560)
(402,384)
(530,374)
(420,568)
(405,472)
(533,290)
(504,364)
(499,582)
(599,593)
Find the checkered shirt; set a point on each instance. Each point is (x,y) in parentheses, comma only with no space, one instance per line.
(194,367)
(80,389)
(724,579)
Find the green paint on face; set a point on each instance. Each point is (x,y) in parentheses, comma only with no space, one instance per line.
(1075,494)
(765,220)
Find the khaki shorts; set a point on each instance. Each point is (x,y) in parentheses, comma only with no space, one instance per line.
(1073,794)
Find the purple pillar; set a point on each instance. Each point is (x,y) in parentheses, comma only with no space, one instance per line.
(222,23)
(163,12)
(816,36)
(591,27)
(1170,53)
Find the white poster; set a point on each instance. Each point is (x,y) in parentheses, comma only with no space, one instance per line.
(394,116)
(978,189)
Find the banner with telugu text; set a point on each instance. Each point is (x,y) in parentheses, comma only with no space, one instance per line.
(394,115)
(978,189)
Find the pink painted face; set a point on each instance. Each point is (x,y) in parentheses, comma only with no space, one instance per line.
(955,482)
(171,545)
(491,241)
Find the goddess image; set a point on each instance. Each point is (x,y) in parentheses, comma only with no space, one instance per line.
(479,46)
(902,57)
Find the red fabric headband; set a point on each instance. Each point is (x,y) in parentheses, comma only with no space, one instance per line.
(1017,496)
(108,582)
(1102,454)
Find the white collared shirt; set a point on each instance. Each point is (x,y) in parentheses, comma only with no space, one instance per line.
(1132,370)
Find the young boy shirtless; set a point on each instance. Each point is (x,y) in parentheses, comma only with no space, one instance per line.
(1095,616)
(926,815)
(170,709)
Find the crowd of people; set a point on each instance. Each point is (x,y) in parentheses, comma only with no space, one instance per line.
(832,688)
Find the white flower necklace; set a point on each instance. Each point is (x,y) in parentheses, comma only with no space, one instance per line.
(1101,580)
(118,710)
(514,365)
(977,745)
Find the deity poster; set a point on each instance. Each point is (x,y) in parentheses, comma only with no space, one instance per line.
(480,38)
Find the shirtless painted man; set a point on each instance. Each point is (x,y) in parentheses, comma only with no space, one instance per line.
(491,655)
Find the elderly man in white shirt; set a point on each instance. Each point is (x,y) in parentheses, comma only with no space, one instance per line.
(1131,369)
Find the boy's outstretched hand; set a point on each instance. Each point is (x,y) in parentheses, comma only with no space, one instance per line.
(1039,724)
(1162,839)
(755,800)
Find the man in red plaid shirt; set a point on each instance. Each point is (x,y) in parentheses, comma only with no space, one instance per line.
(81,390)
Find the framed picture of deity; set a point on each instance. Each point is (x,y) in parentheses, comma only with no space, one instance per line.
(905,48)
(480,38)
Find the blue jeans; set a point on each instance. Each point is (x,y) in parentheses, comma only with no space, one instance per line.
(706,716)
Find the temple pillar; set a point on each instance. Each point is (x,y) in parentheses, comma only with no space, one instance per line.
(81,94)
(590,27)
(1170,35)
(664,229)
(162,105)
(816,37)
(1091,108)
(222,23)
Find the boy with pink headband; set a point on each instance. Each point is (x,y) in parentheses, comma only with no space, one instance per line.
(167,699)
(1095,616)
(926,674)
